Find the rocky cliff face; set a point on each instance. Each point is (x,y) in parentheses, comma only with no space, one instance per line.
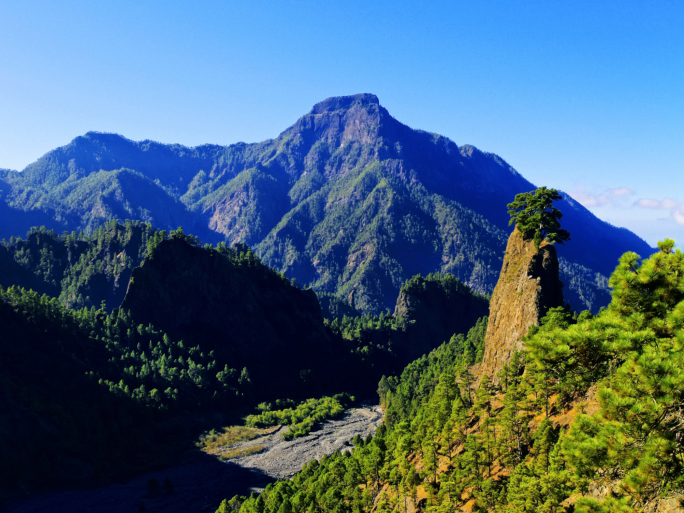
(528,286)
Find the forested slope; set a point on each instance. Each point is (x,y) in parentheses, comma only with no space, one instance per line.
(81,269)
(587,418)
(89,396)
(204,332)
(226,300)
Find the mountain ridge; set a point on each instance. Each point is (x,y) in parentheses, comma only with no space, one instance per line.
(347,199)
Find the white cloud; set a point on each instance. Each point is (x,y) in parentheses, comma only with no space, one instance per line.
(607,197)
(669,204)
(616,197)
(666,204)
(591,200)
(621,191)
(676,209)
(648,203)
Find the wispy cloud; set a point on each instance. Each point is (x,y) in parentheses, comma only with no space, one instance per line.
(606,197)
(647,203)
(591,200)
(621,191)
(618,197)
(675,208)
(666,204)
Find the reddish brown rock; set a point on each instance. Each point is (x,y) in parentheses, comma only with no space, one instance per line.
(528,286)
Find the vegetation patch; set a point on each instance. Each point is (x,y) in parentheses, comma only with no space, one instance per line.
(241,451)
(303,417)
(214,442)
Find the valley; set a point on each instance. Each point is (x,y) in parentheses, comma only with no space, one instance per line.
(201,481)
(265,286)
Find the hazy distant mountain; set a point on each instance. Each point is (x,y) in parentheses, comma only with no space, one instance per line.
(348,199)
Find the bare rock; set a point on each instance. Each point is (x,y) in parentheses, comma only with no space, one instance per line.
(528,287)
(281,459)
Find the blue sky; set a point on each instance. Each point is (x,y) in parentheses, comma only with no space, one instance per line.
(587,97)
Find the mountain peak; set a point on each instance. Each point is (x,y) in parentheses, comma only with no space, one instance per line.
(95,135)
(336,103)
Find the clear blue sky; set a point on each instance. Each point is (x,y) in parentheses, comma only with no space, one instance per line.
(584,96)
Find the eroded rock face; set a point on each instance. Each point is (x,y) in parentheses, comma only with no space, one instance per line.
(528,287)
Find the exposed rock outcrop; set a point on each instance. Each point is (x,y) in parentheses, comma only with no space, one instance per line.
(528,287)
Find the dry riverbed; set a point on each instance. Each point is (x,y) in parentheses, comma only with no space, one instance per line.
(282,459)
(202,481)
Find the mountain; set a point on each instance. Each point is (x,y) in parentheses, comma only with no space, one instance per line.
(348,199)
(434,308)
(226,302)
(193,293)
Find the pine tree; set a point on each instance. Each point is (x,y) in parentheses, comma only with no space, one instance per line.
(535,216)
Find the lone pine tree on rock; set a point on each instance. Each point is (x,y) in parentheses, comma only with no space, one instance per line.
(535,216)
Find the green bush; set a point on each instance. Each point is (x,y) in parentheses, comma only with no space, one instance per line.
(303,417)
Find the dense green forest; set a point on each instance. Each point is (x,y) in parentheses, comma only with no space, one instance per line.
(88,396)
(92,270)
(94,395)
(77,375)
(527,443)
(81,269)
(429,311)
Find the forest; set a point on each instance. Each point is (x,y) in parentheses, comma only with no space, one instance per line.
(586,417)
(590,403)
(81,269)
(85,382)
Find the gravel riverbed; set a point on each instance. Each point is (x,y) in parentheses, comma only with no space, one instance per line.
(201,482)
(282,459)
